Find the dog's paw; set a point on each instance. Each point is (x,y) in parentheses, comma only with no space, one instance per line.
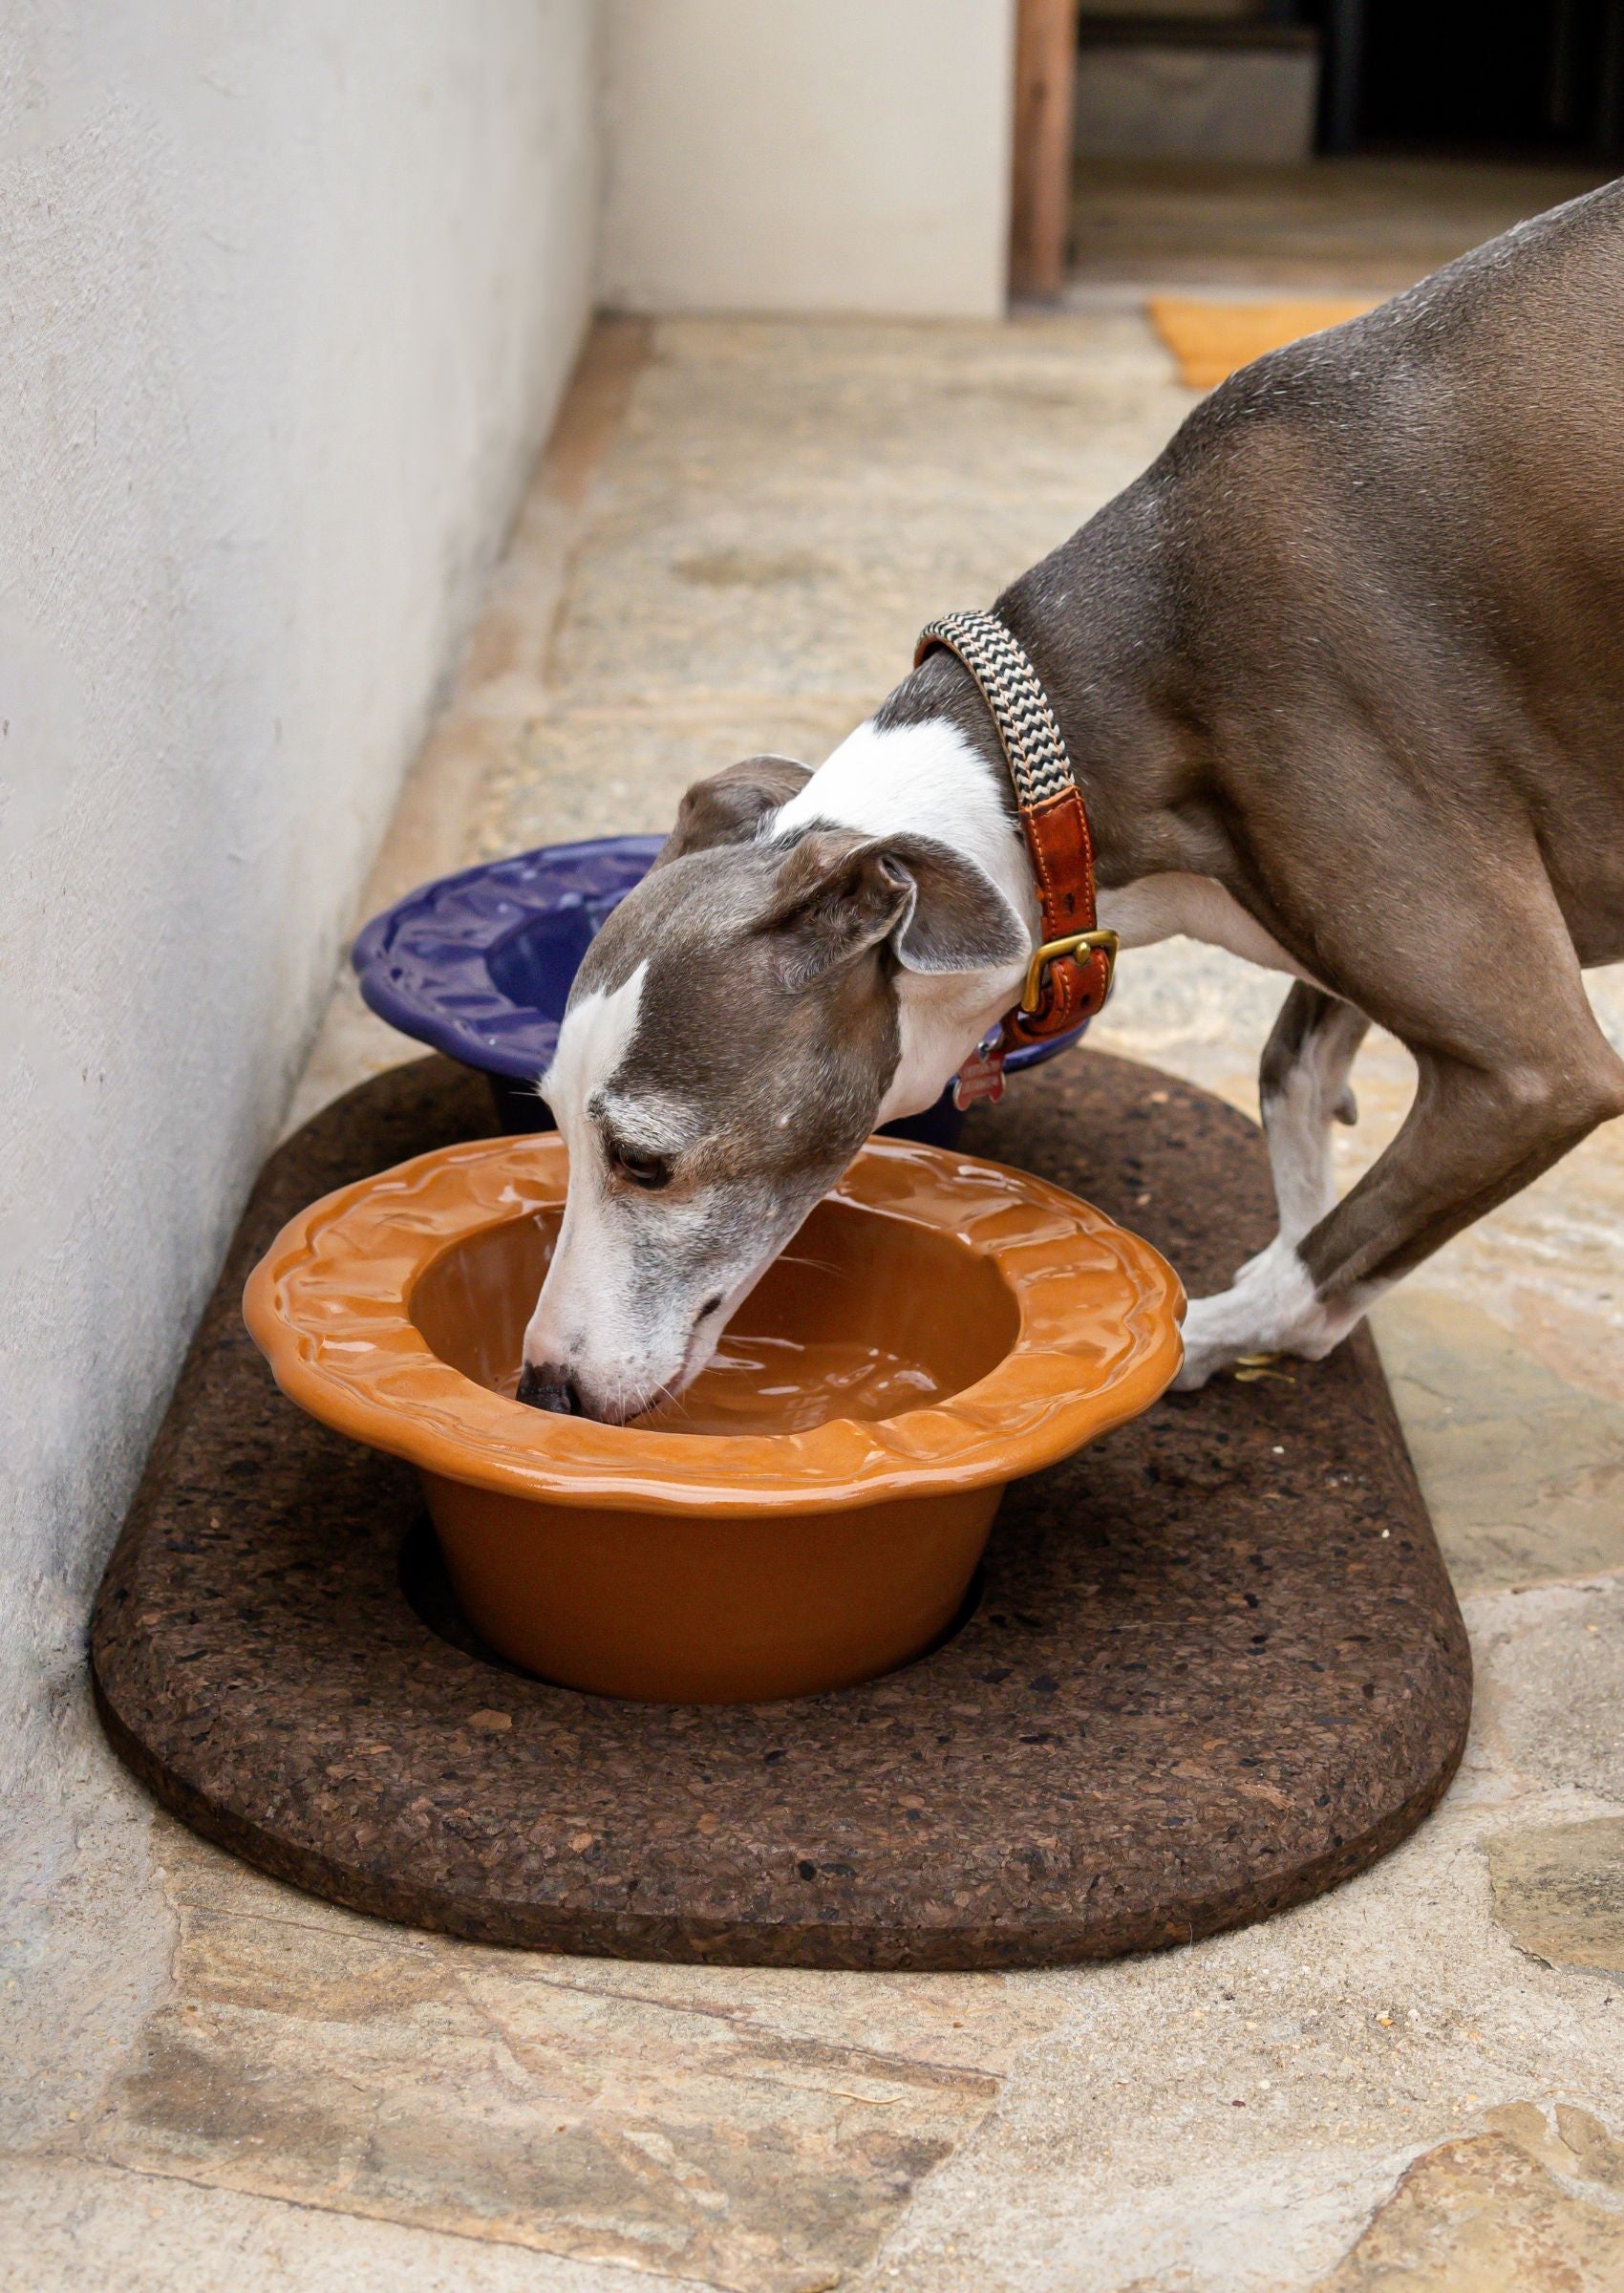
(1271,1308)
(1209,1346)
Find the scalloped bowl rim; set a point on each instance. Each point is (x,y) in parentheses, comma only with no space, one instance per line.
(1097,1341)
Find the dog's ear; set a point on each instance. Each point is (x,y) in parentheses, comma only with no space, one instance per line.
(731,805)
(840,895)
(960,920)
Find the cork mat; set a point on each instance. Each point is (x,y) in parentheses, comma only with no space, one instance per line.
(1215,1665)
(1209,340)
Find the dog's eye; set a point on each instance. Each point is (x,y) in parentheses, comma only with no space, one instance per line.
(638,1166)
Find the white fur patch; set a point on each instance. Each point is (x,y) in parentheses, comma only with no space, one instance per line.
(1299,1125)
(1297,1118)
(591,1271)
(926,779)
(1272,1308)
(594,1038)
(918,779)
(1174,906)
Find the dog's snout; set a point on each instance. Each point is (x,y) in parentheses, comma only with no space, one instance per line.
(549,1385)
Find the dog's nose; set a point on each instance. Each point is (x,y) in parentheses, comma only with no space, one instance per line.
(549,1385)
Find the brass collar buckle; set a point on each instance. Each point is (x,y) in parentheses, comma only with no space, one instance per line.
(1100,941)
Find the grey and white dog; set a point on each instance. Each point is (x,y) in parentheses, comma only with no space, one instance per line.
(1343,681)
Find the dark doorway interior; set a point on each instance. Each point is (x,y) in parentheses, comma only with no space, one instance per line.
(1489,78)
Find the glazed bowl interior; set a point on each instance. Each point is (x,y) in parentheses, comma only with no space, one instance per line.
(864,1316)
(534,964)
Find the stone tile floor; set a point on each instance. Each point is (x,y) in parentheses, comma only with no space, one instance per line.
(1416,2083)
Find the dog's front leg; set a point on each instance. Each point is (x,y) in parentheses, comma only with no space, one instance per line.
(1472,1138)
(1303,1088)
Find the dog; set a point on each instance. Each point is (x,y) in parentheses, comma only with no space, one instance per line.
(1341,678)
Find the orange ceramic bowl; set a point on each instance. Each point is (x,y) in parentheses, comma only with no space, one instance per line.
(967,1323)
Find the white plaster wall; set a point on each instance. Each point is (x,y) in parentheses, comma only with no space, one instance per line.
(807,155)
(288,293)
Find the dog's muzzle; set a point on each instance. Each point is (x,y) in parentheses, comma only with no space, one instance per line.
(546,1385)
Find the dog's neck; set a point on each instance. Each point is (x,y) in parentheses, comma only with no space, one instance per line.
(929,779)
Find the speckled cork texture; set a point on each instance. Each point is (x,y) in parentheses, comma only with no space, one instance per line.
(1215,1667)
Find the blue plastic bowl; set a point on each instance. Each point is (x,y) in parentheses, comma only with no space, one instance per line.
(480,965)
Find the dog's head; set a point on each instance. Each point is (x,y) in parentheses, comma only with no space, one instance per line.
(743,1022)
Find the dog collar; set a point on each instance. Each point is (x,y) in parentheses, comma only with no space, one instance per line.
(1072,968)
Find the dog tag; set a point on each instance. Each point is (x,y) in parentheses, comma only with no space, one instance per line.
(982,1076)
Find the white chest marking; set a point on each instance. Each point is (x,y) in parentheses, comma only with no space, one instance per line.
(1196,908)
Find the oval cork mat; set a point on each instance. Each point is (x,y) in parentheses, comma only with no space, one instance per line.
(1215,1667)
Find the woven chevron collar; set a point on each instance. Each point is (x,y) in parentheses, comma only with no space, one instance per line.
(1069,975)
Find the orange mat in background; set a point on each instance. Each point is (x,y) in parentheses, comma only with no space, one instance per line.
(1209,340)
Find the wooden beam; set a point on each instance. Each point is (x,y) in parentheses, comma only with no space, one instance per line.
(1041,194)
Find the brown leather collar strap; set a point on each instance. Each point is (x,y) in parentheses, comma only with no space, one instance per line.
(1070,973)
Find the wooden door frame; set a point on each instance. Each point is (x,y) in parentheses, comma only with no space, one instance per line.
(1040,190)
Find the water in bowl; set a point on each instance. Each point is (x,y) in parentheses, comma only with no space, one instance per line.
(762,1384)
(864,1316)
